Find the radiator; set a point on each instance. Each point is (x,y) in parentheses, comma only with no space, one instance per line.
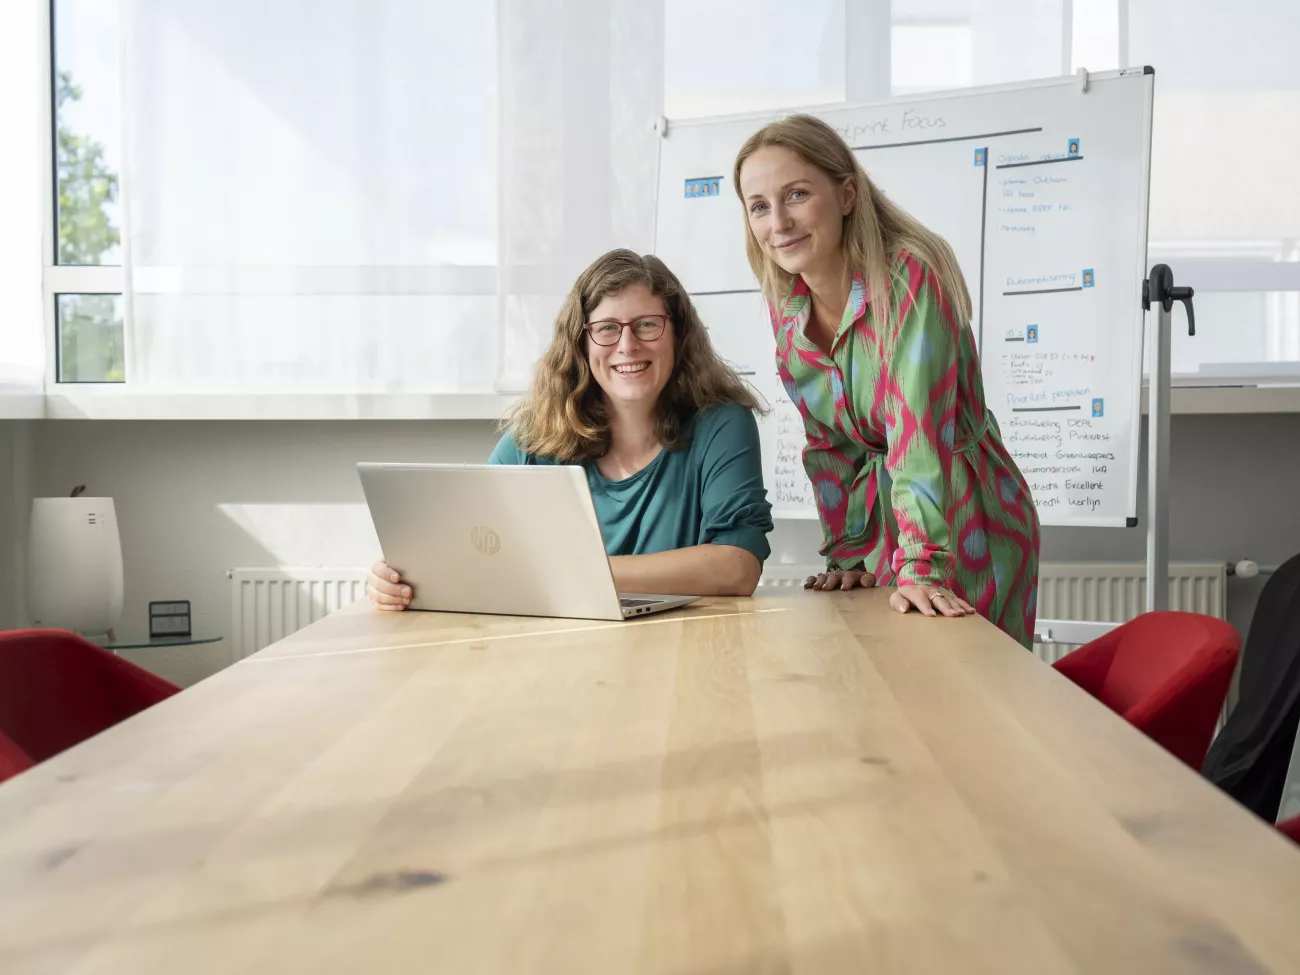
(267,604)
(1087,591)
(1116,592)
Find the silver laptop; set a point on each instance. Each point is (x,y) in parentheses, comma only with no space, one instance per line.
(488,538)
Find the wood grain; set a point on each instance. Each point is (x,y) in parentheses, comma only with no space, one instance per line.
(805,782)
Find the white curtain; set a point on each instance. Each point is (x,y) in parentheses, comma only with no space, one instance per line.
(581,88)
(1225,181)
(22,169)
(730,56)
(311,195)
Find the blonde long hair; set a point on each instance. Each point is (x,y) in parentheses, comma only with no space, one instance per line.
(564,414)
(875,230)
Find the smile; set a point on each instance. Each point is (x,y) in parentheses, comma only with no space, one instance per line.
(788,245)
(631,367)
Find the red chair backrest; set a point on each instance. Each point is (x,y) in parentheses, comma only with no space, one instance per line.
(1290,827)
(58,689)
(12,758)
(1167,673)
(1161,654)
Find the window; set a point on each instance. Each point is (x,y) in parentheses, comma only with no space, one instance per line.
(312,199)
(88,131)
(1094,35)
(1225,186)
(927,57)
(321,209)
(312,195)
(1225,191)
(90,347)
(731,56)
(942,44)
(87,150)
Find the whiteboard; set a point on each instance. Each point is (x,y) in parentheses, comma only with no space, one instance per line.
(1041,190)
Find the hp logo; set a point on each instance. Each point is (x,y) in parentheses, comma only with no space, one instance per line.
(485,539)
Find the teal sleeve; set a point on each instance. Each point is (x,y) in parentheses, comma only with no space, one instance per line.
(505,452)
(734,509)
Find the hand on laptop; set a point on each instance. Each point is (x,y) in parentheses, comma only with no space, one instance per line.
(386,589)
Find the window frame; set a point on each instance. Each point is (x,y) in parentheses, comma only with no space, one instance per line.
(59,279)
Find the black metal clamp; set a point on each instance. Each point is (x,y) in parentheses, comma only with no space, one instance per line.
(1159,289)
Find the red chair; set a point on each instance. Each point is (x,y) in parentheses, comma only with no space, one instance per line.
(1167,674)
(12,758)
(1290,827)
(58,689)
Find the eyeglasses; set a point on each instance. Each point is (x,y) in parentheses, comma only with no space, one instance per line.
(647,328)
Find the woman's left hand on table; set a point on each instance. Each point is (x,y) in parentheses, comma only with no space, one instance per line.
(930,601)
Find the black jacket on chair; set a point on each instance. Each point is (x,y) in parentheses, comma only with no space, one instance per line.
(1249,758)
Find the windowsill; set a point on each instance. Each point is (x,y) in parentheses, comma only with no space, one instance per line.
(1228,396)
(114,402)
(96,402)
(21,402)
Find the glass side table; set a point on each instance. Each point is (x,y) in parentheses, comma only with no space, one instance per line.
(138,641)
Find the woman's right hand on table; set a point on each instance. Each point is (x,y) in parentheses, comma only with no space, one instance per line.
(849,579)
(385,588)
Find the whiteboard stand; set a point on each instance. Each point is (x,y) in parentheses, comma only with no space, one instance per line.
(1158,290)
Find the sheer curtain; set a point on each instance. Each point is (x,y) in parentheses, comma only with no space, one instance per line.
(732,56)
(22,169)
(940,44)
(311,195)
(581,88)
(1225,180)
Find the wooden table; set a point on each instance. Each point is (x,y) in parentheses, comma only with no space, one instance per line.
(805,782)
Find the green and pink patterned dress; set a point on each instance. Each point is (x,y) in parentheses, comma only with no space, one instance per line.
(907,464)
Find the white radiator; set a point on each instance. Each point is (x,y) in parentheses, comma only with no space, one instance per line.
(267,604)
(1087,591)
(1116,593)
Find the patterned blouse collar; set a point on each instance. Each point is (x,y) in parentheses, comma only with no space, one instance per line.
(798,305)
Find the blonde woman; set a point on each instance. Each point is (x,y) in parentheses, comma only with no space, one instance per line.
(871,316)
(631,389)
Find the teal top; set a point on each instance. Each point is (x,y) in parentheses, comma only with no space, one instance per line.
(709,491)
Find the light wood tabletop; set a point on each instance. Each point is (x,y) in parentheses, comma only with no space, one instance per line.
(802,782)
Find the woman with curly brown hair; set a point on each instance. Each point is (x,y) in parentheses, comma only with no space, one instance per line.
(632,390)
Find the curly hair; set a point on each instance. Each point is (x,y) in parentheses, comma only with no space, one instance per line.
(564,414)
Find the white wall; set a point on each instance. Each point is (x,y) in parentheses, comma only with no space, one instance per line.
(194,499)
(197,498)
(15,503)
